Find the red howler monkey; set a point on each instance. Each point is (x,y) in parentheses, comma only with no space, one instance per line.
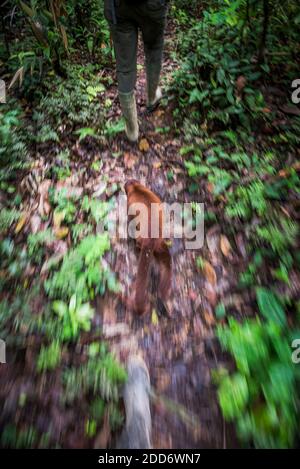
(150,248)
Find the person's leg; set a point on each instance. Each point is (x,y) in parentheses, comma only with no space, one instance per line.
(152,24)
(125,38)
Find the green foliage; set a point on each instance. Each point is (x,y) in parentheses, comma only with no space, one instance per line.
(261,396)
(18,439)
(205,83)
(270,306)
(280,233)
(98,209)
(80,230)
(14,261)
(65,204)
(89,28)
(101,376)
(73,317)
(7,218)
(37,241)
(85,132)
(72,103)
(62,168)
(114,128)
(13,150)
(246,199)
(48,29)
(49,357)
(220,311)
(83,271)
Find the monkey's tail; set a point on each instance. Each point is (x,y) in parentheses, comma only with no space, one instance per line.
(142,279)
(164,260)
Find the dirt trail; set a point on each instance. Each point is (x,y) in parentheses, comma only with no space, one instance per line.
(179,351)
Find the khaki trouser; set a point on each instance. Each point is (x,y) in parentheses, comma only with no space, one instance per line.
(125,19)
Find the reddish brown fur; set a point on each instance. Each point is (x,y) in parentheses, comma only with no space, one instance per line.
(150,248)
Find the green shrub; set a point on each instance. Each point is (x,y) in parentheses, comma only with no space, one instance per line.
(262,396)
(83,271)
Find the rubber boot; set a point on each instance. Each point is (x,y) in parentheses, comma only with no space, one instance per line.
(154,93)
(129,111)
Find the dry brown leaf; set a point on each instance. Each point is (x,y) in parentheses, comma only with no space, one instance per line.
(210,187)
(209,318)
(210,273)
(240,84)
(44,207)
(57,219)
(144,145)
(225,246)
(62,232)
(129,160)
(159,113)
(21,223)
(210,294)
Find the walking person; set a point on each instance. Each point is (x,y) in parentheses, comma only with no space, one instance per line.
(126,18)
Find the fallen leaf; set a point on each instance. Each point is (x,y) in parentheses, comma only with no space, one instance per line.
(213,243)
(57,219)
(240,242)
(144,145)
(44,207)
(62,232)
(210,273)
(240,83)
(210,294)
(21,223)
(154,318)
(210,187)
(129,160)
(159,113)
(209,318)
(225,246)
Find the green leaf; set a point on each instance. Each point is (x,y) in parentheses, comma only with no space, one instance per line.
(270,306)
(26,9)
(85,132)
(233,395)
(60,308)
(220,311)
(197,96)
